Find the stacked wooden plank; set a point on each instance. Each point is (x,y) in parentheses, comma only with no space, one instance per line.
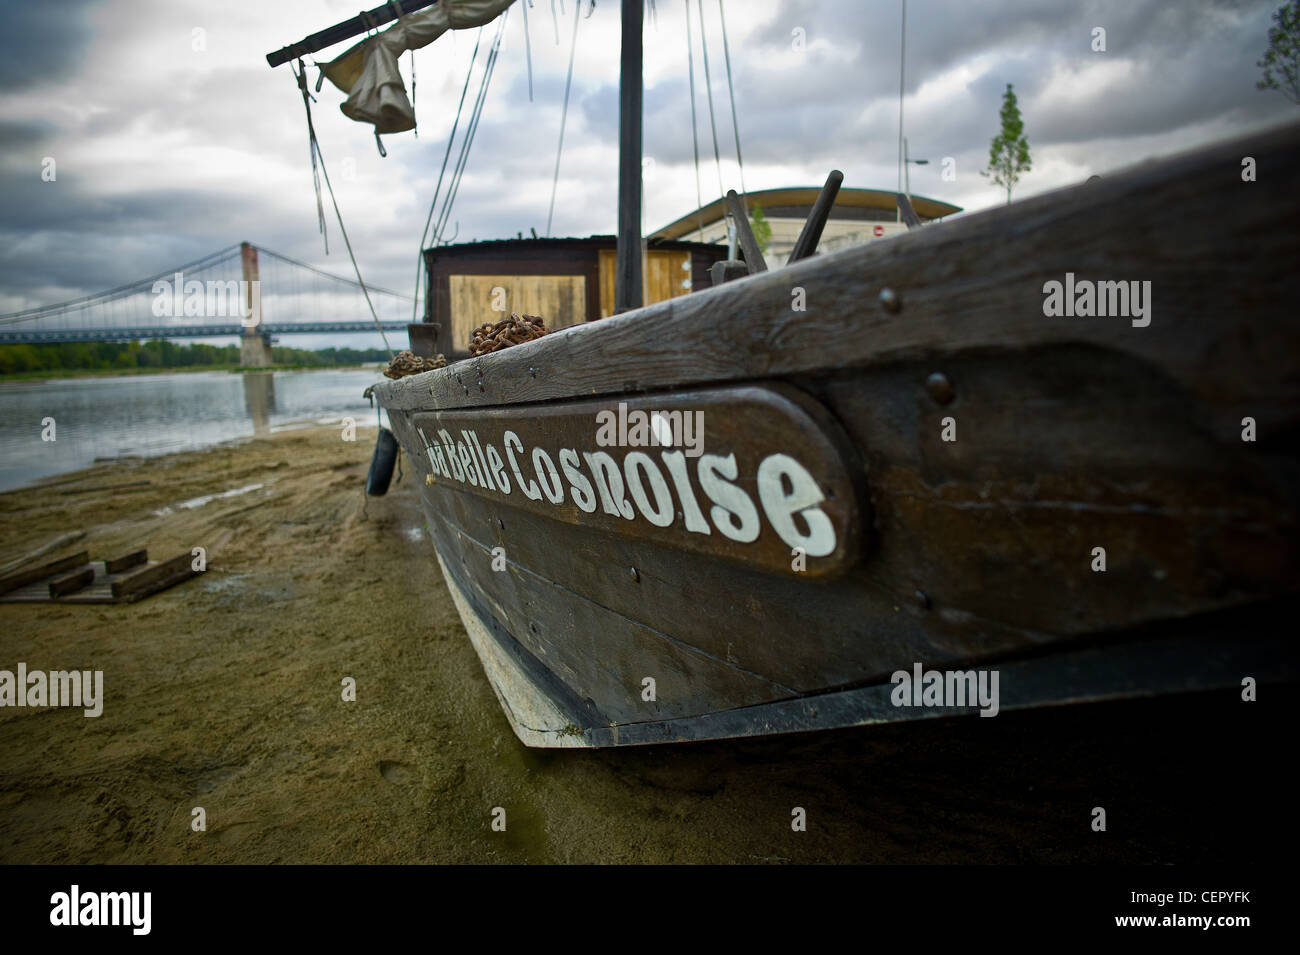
(78,579)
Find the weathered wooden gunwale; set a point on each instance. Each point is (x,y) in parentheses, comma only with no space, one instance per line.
(972,282)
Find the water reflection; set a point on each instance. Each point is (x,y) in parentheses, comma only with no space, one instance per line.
(147,415)
(259,399)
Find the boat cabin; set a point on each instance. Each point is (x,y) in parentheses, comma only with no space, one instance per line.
(565,281)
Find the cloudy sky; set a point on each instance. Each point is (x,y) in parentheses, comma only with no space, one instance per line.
(171,143)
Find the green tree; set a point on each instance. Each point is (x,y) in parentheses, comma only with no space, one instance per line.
(1009,152)
(150,355)
(762,229)
(111,356)
(1281,61)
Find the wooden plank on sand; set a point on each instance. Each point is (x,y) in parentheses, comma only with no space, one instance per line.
(154,578)
(126,561)
(71,583)
(30,575)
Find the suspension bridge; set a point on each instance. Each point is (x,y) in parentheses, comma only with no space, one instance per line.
(254,294)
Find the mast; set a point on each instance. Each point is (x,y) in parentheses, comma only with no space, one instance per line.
(627,278)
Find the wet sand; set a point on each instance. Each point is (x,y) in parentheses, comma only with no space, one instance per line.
(225,693)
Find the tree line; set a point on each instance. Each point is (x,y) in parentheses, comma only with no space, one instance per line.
(127,356)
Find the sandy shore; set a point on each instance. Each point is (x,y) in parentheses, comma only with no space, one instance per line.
(224,693)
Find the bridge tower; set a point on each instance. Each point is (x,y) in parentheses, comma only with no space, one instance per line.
(254,343)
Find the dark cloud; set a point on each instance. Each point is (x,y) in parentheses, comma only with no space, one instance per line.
(43,41)
(165,154)
(27,135)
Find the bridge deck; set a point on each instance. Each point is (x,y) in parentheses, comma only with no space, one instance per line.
(37,336)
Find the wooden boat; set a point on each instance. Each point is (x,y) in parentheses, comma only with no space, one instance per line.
(907,462)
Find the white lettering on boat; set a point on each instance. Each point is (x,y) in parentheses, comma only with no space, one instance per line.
(657,489)
(773,481)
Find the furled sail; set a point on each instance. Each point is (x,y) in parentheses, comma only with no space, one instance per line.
(368,72)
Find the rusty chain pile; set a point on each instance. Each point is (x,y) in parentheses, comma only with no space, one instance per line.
(514,330)
(406,363)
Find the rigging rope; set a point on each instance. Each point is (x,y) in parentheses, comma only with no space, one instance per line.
(316,150)
(695,138)
(459,173)
(462,158)
(708,84)
(437,189)
(564,115)
(528,50)
(414,114)
(313,146)
(731,90)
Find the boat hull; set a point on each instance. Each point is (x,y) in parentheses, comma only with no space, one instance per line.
(1091,507)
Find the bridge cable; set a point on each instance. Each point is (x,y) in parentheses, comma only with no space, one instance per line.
(328,275)
(207,261)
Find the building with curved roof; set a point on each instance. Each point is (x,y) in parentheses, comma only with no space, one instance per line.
(858,216)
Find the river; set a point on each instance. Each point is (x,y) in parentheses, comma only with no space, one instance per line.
(54,426)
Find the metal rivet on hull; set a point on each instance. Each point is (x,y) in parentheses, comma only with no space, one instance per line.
(940,388)
(890,301)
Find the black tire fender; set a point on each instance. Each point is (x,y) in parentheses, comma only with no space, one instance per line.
(381,464)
